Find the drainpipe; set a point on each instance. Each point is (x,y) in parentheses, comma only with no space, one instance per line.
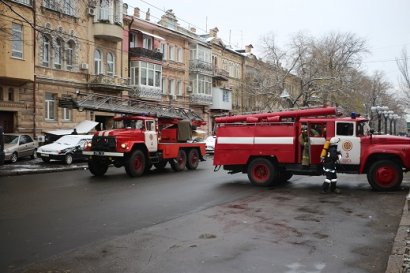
(34,66)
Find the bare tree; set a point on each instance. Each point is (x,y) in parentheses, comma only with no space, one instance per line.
(404,68)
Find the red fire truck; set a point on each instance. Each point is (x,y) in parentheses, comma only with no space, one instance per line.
(138,142)
(267,146)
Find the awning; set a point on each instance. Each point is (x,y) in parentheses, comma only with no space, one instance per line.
(150,34)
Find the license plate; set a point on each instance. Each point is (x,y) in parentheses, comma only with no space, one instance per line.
(44,155)
(98,153)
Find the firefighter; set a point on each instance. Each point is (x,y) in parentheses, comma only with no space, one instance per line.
(329,160)
(304,142)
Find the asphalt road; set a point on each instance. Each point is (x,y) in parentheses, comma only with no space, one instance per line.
(193,221)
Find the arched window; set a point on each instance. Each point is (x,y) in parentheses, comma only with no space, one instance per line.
(70,54)
(97,62)
(110,64)
(58,48)
(46,50)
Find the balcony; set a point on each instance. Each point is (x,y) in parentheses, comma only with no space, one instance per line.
(108,31)
(146,92)
(108,83)
(220,74)
(200,99)
(139,52)
(199,66)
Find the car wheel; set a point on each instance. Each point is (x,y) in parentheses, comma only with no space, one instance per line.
(14,158)
(68,159)
(45,159)
(34,155)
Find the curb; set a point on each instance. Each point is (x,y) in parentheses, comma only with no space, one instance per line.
(16,172)
(399,259)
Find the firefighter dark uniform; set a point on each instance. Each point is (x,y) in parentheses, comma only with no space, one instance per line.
(330,160)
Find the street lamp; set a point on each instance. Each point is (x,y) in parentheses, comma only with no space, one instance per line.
(386,115)
(379,111)
(395,118)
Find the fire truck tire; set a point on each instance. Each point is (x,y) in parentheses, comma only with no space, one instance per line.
(193,159)
(262,172)
(160,165)
(135,164)
(97,168)
(178,164)
(385,175)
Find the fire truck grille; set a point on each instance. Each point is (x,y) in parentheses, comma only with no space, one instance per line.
(104,143)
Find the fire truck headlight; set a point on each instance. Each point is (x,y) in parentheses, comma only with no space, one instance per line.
(89,144)
(123,145)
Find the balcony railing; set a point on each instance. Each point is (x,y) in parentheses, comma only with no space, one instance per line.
(220,74)
(108,83)
(147,53)
(200,66)
(146,92)
(200,99)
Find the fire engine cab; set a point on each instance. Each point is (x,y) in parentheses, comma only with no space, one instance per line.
(271,147)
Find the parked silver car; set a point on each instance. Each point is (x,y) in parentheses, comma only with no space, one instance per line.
(19,145)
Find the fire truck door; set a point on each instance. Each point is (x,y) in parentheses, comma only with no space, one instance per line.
(349,144)
(151,136)
(317,140)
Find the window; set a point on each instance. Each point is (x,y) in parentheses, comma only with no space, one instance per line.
(133,40)
(24,2)
(163,50)
(179,88)
(10,94)
(69,7)
(164,85)
(97,62)
(150,74)
(50,4)
(70,52)
(104,10)
(180,56)
(46,50)
(134,73)
(57,54)
(50,105)
(171,87)
(225,95)
(17,45)
(1,94)
(66,114)
(344,129)
(110,64)
(147,42)
(171,51)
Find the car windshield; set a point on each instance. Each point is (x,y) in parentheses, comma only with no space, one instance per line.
(11,139)
(68,140)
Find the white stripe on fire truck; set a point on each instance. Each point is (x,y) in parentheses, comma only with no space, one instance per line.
(255,140)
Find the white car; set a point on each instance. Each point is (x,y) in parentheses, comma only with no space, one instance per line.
(210,144)
(67,148)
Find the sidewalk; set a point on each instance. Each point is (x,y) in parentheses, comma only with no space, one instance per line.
(398,262)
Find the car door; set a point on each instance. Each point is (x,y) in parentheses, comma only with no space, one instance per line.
(22,146)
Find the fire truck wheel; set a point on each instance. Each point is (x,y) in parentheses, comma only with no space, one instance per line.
(385,175)
(135,164)
(97,168)
(160,165)
(193,159)
(178,164)
(262,172)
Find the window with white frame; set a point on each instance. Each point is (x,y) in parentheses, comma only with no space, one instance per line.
(180,55)
(201,84)
(147,42)
(57,53)
(171,53)
(179,88)
(50,105)
(69,55)
(144,73)
(97,62)
(66,114)
(104,10)
(225,95)
(133,40)
(46,50)
(171,87)
(110,64)
(164,85)
(163,50)
(17,37)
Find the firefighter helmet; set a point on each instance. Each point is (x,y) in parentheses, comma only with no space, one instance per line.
(334,140)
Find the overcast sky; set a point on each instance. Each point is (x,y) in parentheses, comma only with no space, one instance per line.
(384,24)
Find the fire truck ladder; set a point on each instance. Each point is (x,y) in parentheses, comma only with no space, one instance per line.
(129,106)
